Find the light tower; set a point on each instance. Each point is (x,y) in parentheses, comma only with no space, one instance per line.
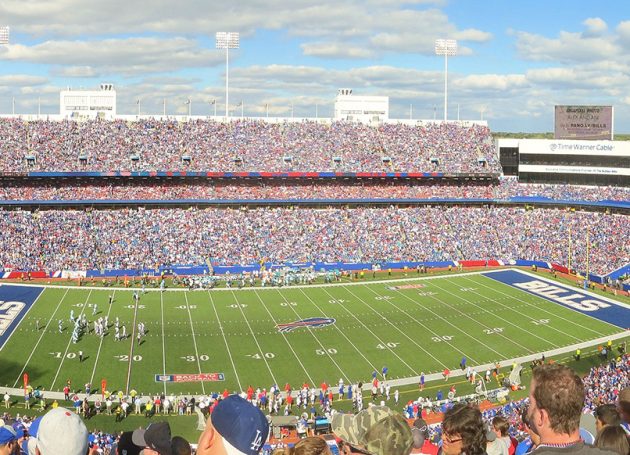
(4,35)
(445,47)
(227,41)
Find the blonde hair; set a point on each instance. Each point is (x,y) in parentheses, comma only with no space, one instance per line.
(312,445)
(612,437)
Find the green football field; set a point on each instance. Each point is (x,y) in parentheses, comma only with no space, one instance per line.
(414,326)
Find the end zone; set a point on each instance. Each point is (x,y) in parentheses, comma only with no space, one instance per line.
(15,303)
(580,300)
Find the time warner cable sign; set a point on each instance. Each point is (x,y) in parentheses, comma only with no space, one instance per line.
(584,122)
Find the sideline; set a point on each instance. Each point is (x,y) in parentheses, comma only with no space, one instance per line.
(393,382)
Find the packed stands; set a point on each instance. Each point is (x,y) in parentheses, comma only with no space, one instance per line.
(243,145)
(136,238)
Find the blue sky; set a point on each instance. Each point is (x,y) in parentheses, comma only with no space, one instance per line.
(516,59)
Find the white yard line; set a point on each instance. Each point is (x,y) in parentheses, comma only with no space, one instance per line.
(163,339)
(506,321)
(555,315)
(132,336)
(227,346)
(69,342)
(40,336)
(100,344)
(384,343)
(192,329)
(341,332)
(255,339)
(429,329)
(398,328)
(312,332)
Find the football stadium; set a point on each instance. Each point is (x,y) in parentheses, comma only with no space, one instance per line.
(157,268)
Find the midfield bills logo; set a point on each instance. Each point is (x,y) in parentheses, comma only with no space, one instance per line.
(310,322)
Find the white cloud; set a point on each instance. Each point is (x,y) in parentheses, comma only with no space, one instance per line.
(21,80)
(595,26)
(131,56)
(74,71)
(492,82)
(336,50)
(568,47)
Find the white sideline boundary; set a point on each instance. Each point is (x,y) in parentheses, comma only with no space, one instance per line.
(259,288)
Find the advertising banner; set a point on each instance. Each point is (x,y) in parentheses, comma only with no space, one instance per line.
(584,122)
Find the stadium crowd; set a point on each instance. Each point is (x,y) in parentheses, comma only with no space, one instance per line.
(54,240)
(243,145)
(300,189)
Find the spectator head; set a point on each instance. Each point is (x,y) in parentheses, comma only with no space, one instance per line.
(463,431)
(606,414)
(235,427)
(493,445)
(29,446)
(377,430)
(613,437)
(501,426)
(420,432)
(8,440)
(624,404)
(310,446)
(126,446)
(180,446)
(62,431)
(156,439)
(556,398)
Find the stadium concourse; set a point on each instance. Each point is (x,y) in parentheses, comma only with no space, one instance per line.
(298,189)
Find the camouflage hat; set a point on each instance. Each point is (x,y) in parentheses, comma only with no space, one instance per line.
(376,429)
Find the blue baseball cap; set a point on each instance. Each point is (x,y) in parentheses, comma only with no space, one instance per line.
(32,430)
(7,434)
(240,424)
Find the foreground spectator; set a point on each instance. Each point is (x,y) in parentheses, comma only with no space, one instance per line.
(8,440)
(624,409)
(235,426)
(62,432)
(606,414)
(612,437)
(532,440)
(180,446)
(556,398)
(376,430)
(125,445)
(463,431)
(156,439)
(312,445)
(421,440)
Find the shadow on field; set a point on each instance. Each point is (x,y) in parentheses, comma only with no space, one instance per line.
(10,372)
